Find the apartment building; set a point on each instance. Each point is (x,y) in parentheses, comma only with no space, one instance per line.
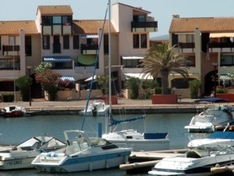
(72,45)
(208,42)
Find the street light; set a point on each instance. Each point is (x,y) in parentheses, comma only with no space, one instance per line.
(29,86)
(215,77)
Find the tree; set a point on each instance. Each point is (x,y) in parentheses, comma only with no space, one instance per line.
(163,60)
(48,78)
(24,84)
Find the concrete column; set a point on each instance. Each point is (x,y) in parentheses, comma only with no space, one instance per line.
(23,69)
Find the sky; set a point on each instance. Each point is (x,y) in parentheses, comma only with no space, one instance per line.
(161,10)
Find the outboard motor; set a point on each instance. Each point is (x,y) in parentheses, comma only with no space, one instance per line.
(94,111)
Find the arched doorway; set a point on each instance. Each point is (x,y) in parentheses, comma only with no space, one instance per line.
(209,83)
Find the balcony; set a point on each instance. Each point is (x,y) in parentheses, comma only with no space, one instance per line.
(221,47)
(186,47)
(144,26)
(10,50)
(89,49)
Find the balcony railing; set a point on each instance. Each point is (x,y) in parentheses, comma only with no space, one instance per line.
(186,45)
(221,45)
(87,48)
(10,49)
(144,25)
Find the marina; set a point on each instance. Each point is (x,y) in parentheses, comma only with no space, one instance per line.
(15,130)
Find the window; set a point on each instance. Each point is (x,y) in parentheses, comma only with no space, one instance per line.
(139,18)
(66,42)
(76,42)
(46,20)
(106,45)
(135,40)
(191,61)
(57,20)
(189,38)
(46,42)
(12,40)
(143,40)
(227,60)
(67,20)
(28,45)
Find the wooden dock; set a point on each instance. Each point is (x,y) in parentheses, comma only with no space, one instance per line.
(144,161)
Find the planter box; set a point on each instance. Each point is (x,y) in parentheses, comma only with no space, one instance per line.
(164,99)
(228,96)
(114,100)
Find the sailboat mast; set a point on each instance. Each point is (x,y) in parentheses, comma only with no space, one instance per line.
(109,43)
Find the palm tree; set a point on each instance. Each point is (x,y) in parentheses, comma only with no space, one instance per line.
(162,59)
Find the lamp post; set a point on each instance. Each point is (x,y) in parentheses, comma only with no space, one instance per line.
(215,77)
(29,86)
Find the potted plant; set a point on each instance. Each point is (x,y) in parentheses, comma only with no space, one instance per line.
(194,87)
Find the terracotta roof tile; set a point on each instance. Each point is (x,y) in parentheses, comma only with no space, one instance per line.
(55,10)
(91,26)
(13,27)
(206,24)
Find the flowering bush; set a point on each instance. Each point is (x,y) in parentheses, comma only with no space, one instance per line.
(48,79)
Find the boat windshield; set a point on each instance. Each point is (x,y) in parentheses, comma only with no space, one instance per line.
(220,149)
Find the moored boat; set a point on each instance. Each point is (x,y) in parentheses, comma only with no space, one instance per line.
(202,156)
(13,111)
(214,117)
(21,156)
(96,108)
(82,154)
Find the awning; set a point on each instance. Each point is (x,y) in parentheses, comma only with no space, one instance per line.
(138,75)
(90,78)
(70,78)
(87,59)
(132,57)
(224,77)
(57,59)
(219,35)
(89,36)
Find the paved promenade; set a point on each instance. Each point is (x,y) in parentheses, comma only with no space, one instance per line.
(127,105)
(80,104)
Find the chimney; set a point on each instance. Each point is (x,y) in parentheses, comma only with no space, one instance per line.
(176,16)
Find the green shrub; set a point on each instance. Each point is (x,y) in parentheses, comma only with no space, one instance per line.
(158,90)
(220,90)
(8,97)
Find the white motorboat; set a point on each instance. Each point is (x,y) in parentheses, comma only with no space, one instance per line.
(96,108)
(214,117)
(82,154)
(218,149)
(21,156)
(138,141)
(13,111)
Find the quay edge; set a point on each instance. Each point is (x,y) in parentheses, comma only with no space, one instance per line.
(115,110)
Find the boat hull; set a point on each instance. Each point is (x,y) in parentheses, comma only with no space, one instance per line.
(18,161)
(79,163)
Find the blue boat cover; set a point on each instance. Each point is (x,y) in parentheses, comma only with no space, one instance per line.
(222,135)
(212,100)
(116,122)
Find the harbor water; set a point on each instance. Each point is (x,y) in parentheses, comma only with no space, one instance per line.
(16,130)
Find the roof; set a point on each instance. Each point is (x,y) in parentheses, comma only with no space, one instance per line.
(13,27)
(91,26)
(205,24)
(139,9)
(55,10)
